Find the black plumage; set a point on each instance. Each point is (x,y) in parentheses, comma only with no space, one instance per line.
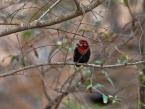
(81,58)
(97,98)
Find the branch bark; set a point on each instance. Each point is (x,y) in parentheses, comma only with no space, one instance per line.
(70,64)
(39,24)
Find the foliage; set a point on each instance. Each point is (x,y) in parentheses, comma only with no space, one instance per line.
(105,99)
(123,59)
(100,62)
(105,27)
(125,2)
(27,35)
(108,77)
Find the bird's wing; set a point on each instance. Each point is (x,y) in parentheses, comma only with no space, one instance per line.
(76,55)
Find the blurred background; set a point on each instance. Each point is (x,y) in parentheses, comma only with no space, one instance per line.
(109,30)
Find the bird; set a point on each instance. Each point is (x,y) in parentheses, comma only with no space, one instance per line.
(97,97)
(101,96)
(82,52)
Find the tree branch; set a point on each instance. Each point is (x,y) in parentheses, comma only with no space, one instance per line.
(71,64)
(38,24)
(49,9)
(77,5)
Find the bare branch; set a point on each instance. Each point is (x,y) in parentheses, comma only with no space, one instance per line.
(57,101)
(36,24)
(71,64)
(49,9)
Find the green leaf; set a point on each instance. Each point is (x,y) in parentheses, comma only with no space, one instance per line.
(107,76)
(105,99)
(98,23)
(125,2)
(98,85)
(89,86)
(14,57)
(84,30)
(116,100)
(99,62)
(123,59)
(23,62)
(70,49)
(87,72)
(110,81)
(26,34)
(106,37)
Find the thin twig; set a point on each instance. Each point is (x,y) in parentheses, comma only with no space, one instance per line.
(52,6)
(71,64)
(77,5)
(58,20)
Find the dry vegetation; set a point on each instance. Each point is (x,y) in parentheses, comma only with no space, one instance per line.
(37,39)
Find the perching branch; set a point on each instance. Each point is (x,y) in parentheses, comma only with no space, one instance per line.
(71,64)
(39,24)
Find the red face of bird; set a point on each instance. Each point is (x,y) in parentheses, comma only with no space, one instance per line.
(82,46)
